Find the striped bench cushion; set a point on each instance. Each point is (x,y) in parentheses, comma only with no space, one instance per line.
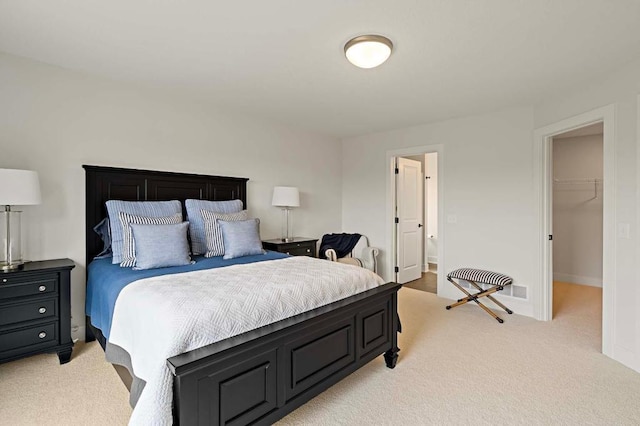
(481,276)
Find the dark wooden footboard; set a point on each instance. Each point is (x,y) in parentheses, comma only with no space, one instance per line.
(261,376)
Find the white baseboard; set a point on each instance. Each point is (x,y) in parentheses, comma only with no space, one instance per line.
(78,334)
(433,259)
(577,279)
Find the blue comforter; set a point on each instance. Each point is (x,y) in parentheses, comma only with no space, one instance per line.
(106,280)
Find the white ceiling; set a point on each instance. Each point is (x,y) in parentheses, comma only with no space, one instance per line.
(283,59)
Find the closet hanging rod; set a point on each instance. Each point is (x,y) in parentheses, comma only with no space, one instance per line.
(577,181)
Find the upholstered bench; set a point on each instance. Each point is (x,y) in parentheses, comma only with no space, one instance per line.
(478,276)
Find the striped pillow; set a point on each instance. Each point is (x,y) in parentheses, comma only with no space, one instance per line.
(213,233)
(196,221)
(129,246)
(138,208)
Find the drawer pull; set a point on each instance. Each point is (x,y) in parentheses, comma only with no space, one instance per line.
(42,288)
(308,250)
(288,253)
(42,310)
(42,335)
(4,280)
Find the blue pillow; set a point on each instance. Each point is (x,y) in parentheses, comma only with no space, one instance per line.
(241,238)
(194,216)
(215,244)
(102,229)
(161,246)
(129,246)
(136,208)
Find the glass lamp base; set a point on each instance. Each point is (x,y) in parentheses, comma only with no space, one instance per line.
(10,248)
(6,267)
(287,225)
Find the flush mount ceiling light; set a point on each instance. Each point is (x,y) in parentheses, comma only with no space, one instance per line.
(368,51)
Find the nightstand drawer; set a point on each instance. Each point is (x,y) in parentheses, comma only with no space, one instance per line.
(298,247)
(300,251)
(19,312)
(36,335)
(10,287)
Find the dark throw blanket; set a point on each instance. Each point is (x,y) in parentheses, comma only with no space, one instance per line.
(341,243)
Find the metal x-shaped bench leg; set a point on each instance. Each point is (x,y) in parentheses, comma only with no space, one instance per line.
(474,297)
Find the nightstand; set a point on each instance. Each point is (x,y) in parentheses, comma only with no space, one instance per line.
(35,310)
(300,246)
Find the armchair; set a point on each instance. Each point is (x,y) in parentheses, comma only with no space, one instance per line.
(333,245)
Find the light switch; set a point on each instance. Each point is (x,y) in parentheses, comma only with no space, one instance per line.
(624,231)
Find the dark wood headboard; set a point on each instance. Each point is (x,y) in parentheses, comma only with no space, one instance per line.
(110,183)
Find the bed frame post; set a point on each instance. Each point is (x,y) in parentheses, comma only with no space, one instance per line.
(391,356)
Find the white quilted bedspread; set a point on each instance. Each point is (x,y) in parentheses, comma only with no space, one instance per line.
(160,317)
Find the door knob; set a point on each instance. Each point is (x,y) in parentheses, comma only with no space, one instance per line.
(419,225)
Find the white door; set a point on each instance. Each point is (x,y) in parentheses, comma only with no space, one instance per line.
(409,213)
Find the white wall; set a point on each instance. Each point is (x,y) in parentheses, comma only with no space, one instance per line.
(577,210)
(53,121)
(621,89)
(488,181)
(486,169)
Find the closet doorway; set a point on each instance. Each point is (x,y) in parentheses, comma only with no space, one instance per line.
(544,188)
(577,165)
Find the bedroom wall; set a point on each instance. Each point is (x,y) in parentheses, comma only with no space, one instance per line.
(488,187)
(577,210)
(53,121)
(621,89)
(486,168)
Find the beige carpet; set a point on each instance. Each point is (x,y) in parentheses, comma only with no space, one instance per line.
(455,367)
(40,391)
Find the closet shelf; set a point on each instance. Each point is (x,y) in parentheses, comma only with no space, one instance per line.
(588,181)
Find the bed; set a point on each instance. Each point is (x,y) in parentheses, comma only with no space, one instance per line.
(261,375)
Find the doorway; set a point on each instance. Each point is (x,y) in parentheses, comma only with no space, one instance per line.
(415,204)
(577,227)
(427,253)
(544,186)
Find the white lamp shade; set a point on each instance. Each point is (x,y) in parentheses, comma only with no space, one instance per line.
(286,196)
(19,187)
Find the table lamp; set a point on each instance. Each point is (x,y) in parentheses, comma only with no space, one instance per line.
(17,188)
(286,197)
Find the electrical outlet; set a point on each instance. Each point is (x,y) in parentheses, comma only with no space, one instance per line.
(452,218)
